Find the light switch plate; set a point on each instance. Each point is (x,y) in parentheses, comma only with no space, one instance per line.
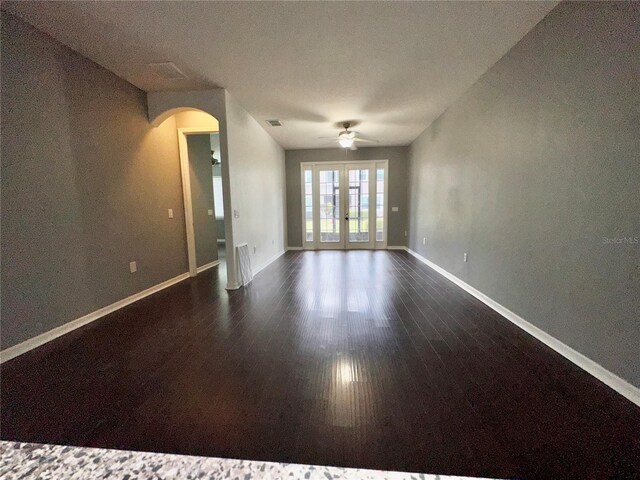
(210,212)
(171,213)
(133,267)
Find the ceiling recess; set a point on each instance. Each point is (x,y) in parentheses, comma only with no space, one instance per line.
(166,70)
(274,123)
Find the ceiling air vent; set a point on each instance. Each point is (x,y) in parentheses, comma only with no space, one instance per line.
(274,123)
(166,70)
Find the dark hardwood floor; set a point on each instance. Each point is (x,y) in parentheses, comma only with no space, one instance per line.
(359,359)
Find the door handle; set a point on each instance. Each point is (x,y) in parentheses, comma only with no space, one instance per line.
(346,217)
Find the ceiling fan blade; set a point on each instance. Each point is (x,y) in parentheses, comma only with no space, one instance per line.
(366,140)
(331,138)
(353,147)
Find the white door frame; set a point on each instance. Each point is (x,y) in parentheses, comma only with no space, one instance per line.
(344,166)
(186,194)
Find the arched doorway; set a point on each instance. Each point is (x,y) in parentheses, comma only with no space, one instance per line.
(204,175)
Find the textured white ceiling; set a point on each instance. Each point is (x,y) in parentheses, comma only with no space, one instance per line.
(394,67)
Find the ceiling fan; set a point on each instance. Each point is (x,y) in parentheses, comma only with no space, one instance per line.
(348,138)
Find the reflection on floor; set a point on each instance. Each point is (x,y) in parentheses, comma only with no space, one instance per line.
(352,359)
(222,251)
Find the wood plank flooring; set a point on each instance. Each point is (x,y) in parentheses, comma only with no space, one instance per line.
(356,359)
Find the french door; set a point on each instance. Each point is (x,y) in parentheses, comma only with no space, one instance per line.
(344,205)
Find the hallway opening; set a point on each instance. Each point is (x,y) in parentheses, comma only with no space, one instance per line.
(204,186)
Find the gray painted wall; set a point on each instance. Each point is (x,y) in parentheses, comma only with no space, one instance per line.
(398,184)
(86,184)
(533,170)
(201,179)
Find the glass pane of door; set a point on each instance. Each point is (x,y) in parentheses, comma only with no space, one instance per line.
(380,205)
(308,205)
(358,205)
(329,205)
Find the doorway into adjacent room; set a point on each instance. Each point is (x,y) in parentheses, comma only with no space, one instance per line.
(218,197)
(202,162)
(344,205)
(204,190)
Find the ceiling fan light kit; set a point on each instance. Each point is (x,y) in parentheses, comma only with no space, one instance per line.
(345,142)
(348,138)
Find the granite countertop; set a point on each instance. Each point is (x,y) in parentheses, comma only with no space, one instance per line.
(29,460)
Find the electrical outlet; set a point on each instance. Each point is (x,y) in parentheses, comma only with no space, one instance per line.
(424,240)
(133,267)
(465,256)
(236,214)
(170,213)
(394,209)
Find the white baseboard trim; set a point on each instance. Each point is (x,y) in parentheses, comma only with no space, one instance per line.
(388,247)
(268,262)
(19,349)
(621,386)
(207,266)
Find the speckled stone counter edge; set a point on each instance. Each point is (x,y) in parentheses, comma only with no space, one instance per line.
(28,460)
